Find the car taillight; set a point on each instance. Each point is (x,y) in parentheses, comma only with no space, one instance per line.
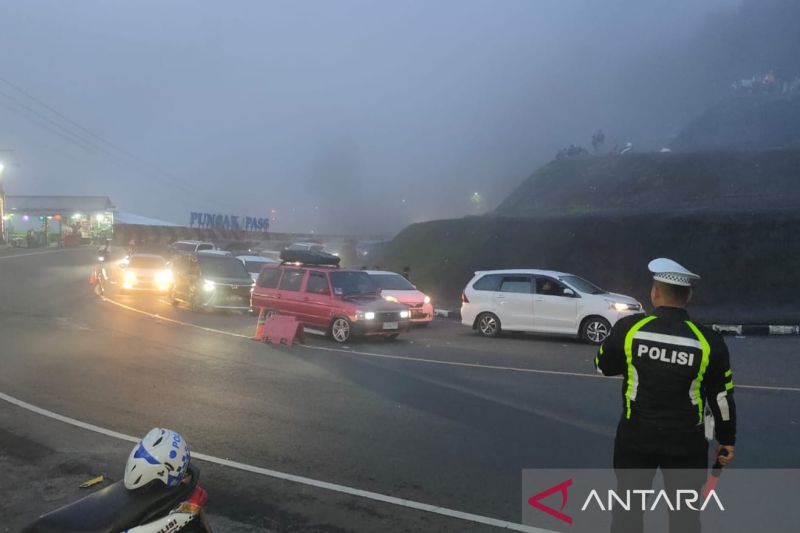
(464,299)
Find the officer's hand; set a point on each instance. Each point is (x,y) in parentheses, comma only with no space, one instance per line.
(723,458)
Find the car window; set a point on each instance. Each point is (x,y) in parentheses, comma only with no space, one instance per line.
(581,285)
(317,283)
(519,284)
(204,247)
(223,267)
(549,287)
(352,283)
(183,246)
(292,280)
(489,282)
(269,278)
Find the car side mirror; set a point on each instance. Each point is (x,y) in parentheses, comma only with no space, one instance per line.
(569,292)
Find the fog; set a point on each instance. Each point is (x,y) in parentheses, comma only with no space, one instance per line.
(342,116)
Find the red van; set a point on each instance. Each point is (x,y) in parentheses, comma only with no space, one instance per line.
(329,300)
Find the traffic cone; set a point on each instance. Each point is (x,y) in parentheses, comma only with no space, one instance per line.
(262,319)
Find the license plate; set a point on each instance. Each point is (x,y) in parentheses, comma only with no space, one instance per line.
(391,325)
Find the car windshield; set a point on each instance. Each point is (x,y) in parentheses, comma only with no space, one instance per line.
(352,284)
(392,282)
(223,267)
(146,262)
(581,285)
(254,267)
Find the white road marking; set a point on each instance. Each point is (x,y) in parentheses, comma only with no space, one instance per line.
(325,485)
(172,320)
(422,359)
(11,256)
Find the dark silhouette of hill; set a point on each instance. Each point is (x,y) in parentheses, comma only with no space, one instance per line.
(747,122)
(717,182)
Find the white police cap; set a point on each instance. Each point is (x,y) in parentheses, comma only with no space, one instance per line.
(668,271)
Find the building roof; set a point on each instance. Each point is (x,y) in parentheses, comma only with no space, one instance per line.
(130,218)
(58,204)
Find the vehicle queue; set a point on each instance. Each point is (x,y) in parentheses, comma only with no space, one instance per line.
(305,282)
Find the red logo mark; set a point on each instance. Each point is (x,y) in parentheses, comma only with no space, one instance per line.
(562,488)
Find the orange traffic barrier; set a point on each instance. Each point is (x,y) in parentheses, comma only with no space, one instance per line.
(262,319)
(281,329)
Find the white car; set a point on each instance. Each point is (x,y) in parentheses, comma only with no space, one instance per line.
(190,247)
(146,272)
(542,301)
(254,264)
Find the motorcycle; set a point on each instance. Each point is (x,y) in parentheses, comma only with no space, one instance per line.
(99,276)
(153,508)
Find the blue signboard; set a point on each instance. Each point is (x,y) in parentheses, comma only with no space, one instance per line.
(234,222)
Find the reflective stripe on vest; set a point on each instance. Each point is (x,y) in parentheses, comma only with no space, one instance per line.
(632,376)
(694,391)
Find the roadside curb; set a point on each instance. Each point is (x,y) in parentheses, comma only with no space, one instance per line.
(745,329)
(725,329)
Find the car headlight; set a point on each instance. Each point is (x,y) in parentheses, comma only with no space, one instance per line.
(365,315)
(390,299)
(130,277)
(164,277)
(404,314)
(208,286)
(621,306)
(427,300)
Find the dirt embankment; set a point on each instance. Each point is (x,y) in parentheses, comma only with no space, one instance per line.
(749,262)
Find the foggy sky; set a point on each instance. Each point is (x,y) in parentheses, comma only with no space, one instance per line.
(341,115)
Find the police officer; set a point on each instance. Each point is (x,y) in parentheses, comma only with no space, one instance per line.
(675,375)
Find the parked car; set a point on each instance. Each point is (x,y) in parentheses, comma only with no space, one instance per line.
(254,264)
(396,288)
(217,252)
(542,301)
(328,300)
(190,247)
(271,254)
(145,272)
(306,247)
(210,281)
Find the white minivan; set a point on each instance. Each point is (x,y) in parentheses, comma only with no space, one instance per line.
(542,301)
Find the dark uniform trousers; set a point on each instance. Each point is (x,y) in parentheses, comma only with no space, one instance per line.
(638,453)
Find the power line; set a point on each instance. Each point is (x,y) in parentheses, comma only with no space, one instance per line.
(85,142)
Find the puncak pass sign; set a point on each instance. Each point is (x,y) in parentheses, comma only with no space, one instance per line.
(230,222)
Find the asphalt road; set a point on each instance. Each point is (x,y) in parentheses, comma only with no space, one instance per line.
(439,416)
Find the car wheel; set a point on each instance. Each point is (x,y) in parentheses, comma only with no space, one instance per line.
(488,325)
(595,329)
(341,330)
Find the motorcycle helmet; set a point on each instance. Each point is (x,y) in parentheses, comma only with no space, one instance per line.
(161,455)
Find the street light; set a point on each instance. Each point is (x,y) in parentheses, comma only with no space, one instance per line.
(2,167)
